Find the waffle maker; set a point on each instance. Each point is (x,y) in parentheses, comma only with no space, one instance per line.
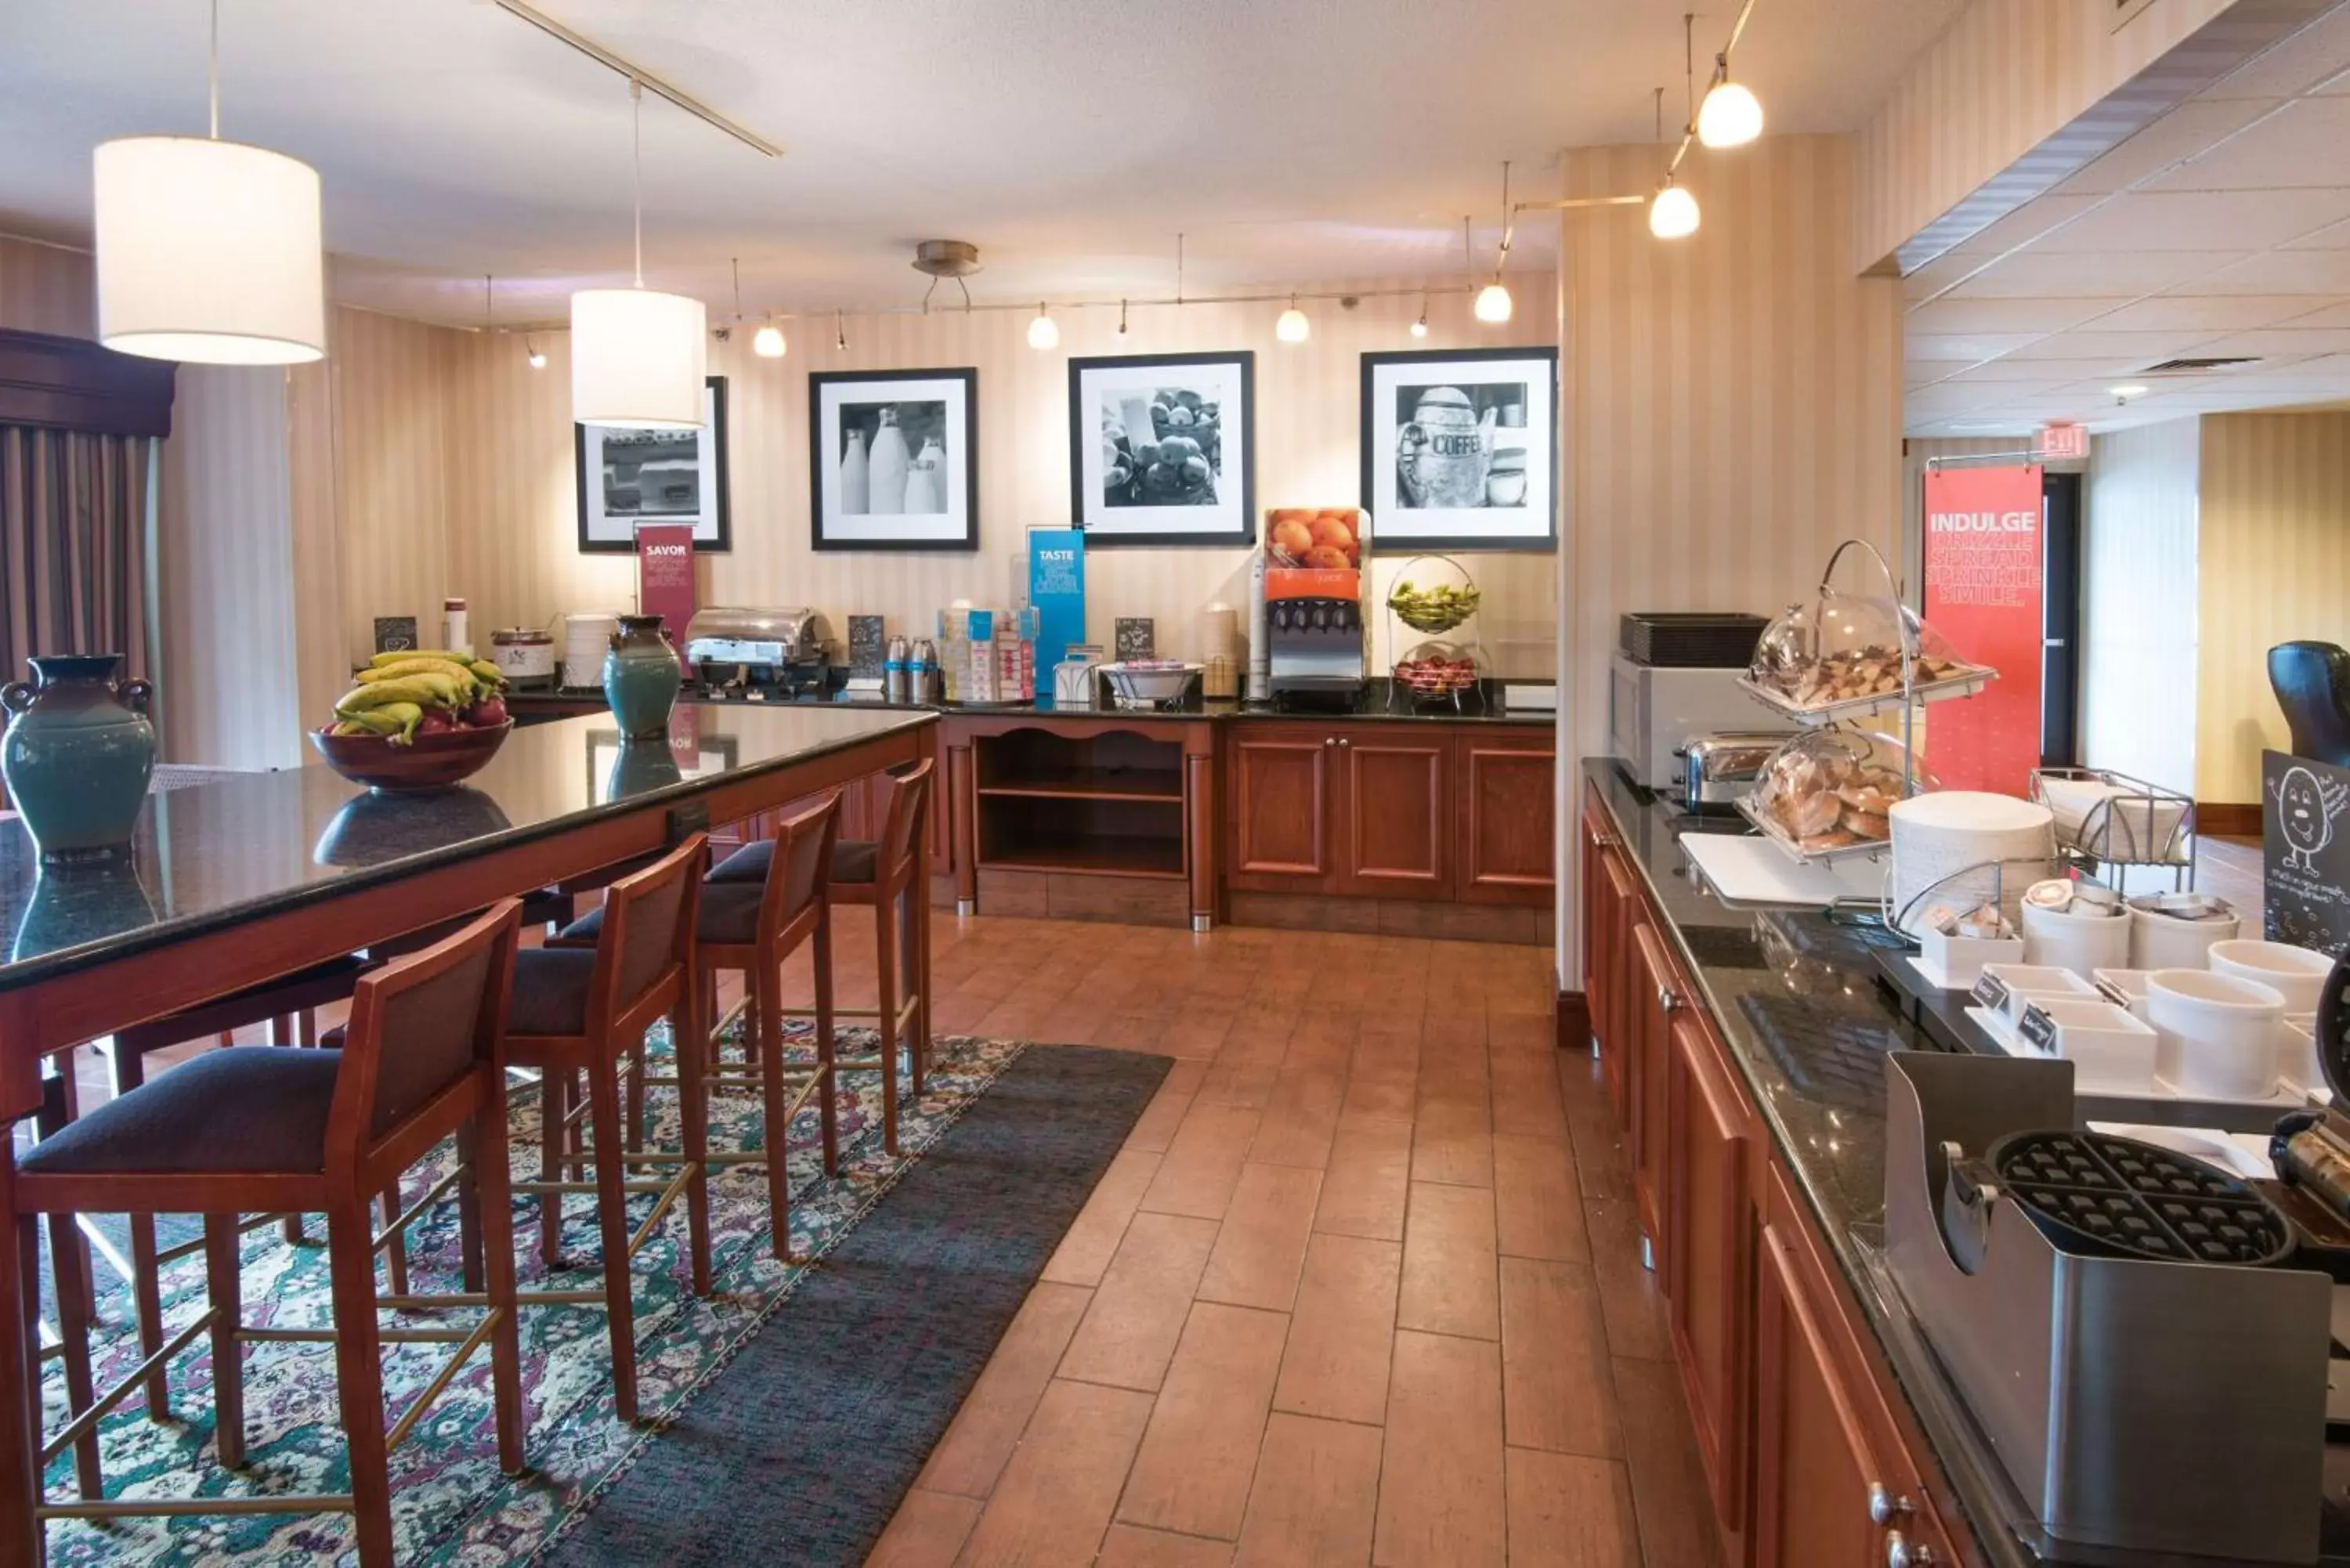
(2132,1332)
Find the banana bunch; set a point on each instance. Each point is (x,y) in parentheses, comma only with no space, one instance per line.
(399,693)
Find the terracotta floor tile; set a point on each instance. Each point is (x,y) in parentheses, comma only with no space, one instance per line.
(1557,1389)
(1674,1507)
(1567,1511)
(1263,1243)
(987,1427)
(1459,1074)
(1232,1082)
(1450,1283)
(930,1528)
(1130,1330)
(1364,1183)
(1385,1078)
(1537,1203)
(1127,1547)
(1054,1501)
(1525,1097)
(1325,1036)
(1342,1331)
(1317,1496)
(1198,1028)
(1633,1307)
(1202,1162)
(1442,1492)
(1154,1128)
(1199,1452)
(1089,1242)
(1300,1117)
(1452,1142)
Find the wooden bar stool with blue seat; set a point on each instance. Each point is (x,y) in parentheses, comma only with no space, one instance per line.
(581,1011)
(253,1129)
(752,925)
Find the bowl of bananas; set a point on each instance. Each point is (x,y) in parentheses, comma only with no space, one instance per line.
(1432,607)
(416,721)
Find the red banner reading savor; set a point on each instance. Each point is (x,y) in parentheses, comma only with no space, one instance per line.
(1984,579)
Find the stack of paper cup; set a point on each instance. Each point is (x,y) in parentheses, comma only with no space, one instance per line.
(585,638)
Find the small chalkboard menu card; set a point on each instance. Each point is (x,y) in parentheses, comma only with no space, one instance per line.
(866,647)
(2305,847)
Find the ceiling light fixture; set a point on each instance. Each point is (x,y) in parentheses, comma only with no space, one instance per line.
(1672,214)
(2125,393)
(1493,305)
(637,357)
(1293,326)
(534,354)
(208,251)
(839,331)
(1042,332)
(768,343)
(1419,328)
(1731,116)
(1121,318)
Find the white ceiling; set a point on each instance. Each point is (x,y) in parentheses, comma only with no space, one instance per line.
(1289,139)
(2221,228)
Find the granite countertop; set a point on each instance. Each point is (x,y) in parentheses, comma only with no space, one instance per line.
(1796,998)
(257,843)
(1372,706)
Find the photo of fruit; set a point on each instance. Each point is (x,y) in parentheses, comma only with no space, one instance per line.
(1160,448)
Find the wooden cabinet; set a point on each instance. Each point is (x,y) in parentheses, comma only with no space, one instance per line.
(1505,783)
(1710,1216)
(1393,809)
(1283,787)
(1656,998)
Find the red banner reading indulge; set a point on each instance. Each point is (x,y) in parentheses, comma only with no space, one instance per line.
(1983,579)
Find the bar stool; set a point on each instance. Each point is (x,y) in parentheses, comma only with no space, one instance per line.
(754,927)
(884,873)
(578,1010)
(253,1128)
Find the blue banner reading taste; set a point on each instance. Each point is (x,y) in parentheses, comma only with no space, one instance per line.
(1057,590)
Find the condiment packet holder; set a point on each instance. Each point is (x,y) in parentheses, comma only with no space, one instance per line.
(2007,988)
(2111,1052)
(1955,962)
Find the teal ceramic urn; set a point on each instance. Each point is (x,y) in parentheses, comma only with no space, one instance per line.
(640,677)
(77,755)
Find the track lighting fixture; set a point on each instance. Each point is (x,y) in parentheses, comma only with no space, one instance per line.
(1293,326)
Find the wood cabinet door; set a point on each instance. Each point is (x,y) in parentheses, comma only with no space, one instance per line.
(1653,1003)
(1712,1223)
(1284,796)
(1507,847)
(1813,1459)
(1598,920)
(1619,1044)
(1395,811)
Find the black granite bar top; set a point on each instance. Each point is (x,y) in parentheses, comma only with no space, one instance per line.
(1375,705)
(258,843)
(1797,1002)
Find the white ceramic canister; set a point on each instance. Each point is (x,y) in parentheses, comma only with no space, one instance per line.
(2216,1036)
(2158,941)
(2069,939)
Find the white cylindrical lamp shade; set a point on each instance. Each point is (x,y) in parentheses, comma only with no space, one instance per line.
(208,251)
(638,357)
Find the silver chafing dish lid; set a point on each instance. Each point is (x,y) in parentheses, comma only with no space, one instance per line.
(799,632)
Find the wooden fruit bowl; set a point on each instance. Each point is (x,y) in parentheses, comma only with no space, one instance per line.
(429,761)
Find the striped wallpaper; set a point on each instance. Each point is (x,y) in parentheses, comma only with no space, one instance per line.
(2139,617)
(1734,398)
(2006,75)
(2275,561)
(501,527)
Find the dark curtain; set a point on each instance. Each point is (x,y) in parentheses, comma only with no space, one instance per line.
(73,546)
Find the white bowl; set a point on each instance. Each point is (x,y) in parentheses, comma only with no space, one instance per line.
(2216,1035)
(2163,941)
(2111,1052)
(2008,987)
(2294,973)
(2064,940)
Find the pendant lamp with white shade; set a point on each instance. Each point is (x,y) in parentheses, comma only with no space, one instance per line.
(208,251)
(638,356)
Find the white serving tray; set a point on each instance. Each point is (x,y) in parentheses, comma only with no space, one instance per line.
(1966,683)
(1753,871)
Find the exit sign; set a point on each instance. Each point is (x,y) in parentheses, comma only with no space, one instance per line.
(2058,443)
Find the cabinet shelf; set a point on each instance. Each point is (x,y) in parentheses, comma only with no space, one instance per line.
(1099,856)
(1161,785)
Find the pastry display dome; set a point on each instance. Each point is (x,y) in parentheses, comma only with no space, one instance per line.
(1841,649)
(1829,791)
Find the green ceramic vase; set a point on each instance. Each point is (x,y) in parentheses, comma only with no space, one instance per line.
(640,677)
(77,755)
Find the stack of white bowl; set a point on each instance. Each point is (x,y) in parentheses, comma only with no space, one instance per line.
(586,636)
(2221,1031)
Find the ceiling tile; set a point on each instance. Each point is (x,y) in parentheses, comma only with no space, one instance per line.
(1966,347)
(1954,317)
(2283,272)
(2129,272)
(2281,343)
(2121,349)
(2293,65)
(1938,275)
(2046,373)
(2189,221)
(1950,398)
(2024,224)
(2335,237)
(2186,130)
(2213,312)
(1917,372)
(2324,318)
(2299,145)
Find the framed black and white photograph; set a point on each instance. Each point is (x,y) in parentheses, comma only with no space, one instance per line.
(1461,448)
(629,475)
(893,459)
(1162,449)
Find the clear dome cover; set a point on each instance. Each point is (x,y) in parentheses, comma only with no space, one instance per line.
(1847,648)
(1826,790)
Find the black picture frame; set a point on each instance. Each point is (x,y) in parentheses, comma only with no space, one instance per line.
(720,538)
(958,383)
(1395,528)
(1087,508)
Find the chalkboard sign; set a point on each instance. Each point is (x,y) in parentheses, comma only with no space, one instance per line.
(2305,844)
(867,647)
(395,633)
(1135,636)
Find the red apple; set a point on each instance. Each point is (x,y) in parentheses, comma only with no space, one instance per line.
(486,714)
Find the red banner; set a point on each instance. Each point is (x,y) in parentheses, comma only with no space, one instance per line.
(1983,579)
(665,578)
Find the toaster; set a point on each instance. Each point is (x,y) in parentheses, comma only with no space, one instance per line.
(1718,769)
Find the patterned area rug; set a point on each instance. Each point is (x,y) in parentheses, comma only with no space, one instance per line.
(452,1505)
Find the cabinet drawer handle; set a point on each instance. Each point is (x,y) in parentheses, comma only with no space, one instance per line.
(1667,999)
(1329,740)
(1343,742)
(1899,1553)
(1884,1507)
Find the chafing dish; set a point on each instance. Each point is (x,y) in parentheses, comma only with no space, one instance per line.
(730,646)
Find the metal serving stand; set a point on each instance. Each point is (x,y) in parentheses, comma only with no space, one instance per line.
(1463,699)
(2141,825)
